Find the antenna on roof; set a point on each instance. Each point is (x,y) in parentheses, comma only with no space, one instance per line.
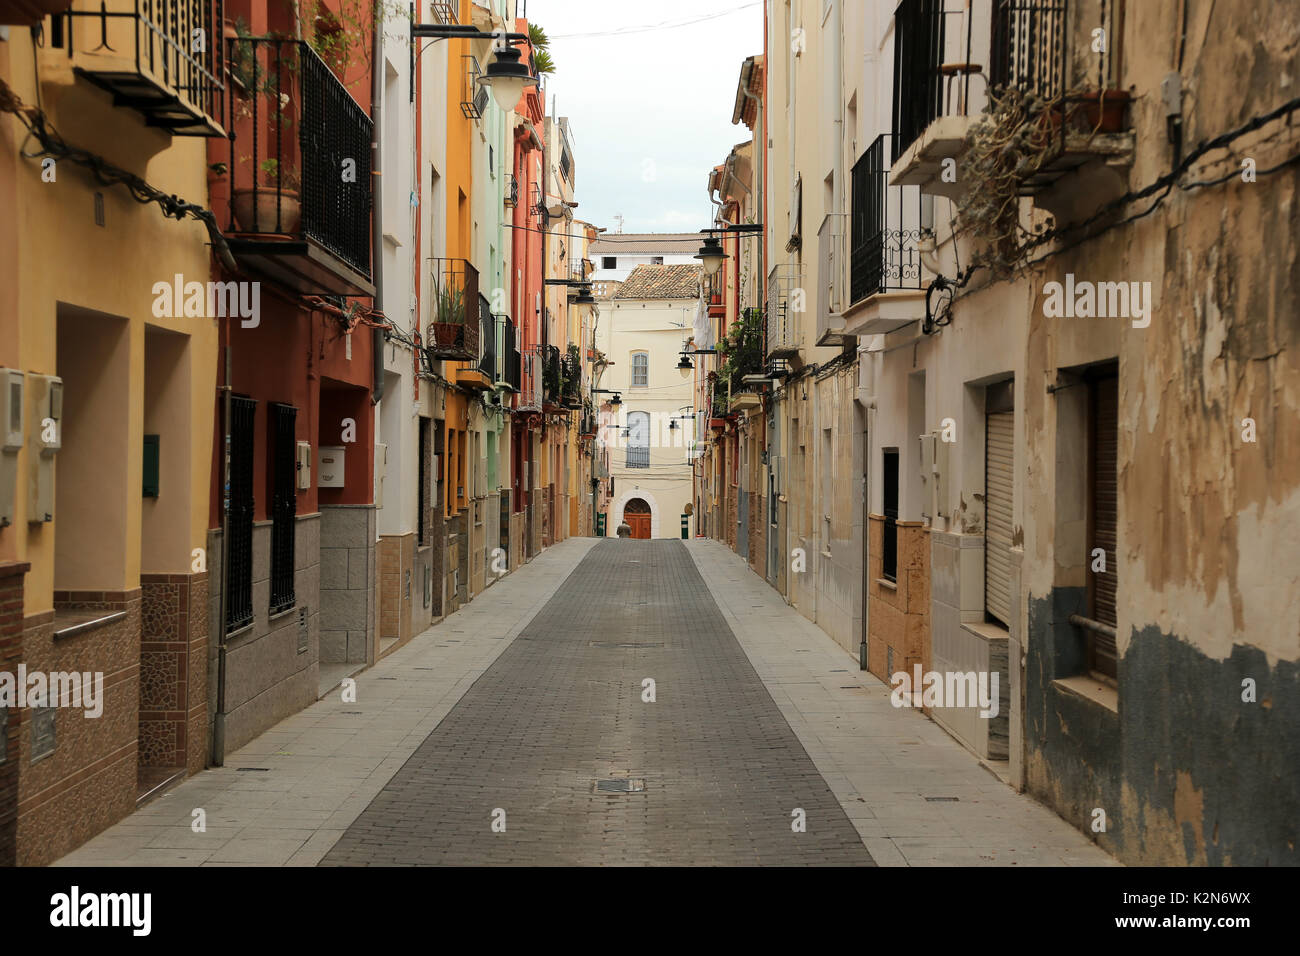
(618,219)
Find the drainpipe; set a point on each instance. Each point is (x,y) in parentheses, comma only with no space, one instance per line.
(377,211)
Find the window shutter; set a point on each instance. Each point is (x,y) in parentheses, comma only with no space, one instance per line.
(999,472)
(1104,517)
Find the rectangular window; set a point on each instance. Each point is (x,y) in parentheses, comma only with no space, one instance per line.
(656,260)
(239,578)
(1103,515)
(889,546)
(640,370)
(609,262)
(283,471)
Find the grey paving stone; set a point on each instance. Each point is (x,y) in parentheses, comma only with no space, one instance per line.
(562,708)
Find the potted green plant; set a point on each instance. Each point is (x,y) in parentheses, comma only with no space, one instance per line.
(276,201)
(449,316)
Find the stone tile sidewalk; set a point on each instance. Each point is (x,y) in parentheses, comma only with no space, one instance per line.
(883,762)
(323,766)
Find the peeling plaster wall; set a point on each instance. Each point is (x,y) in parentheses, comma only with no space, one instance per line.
(1209,525)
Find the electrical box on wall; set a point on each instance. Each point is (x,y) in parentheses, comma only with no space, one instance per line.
(13,421)
(381,472)
(304,465)
(45,425)
(934,474)
(330,466)
(11,408)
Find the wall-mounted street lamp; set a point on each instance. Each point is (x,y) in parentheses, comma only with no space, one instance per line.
(711,254)
(616,401)
(685,365)
(507,75)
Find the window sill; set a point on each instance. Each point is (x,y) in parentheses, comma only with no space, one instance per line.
(285,613)
(1091,690)
(887,584)
(73,623)
(986,630)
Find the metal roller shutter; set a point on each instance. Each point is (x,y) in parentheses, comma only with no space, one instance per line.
(1104,516)
(999,473)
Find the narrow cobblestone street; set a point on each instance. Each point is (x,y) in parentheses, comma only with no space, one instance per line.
(524,703)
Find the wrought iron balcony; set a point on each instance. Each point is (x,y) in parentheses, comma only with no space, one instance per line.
(507,373)
(552,376)
(885,231)
(512,191)
(487,332)
(832,290)
(638,456)
(886,227)
(786,301)
(530,379)
(143,53)
(299,204)
(454,320)
(572,370)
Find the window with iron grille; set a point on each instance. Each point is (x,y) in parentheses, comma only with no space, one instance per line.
(640,369)
(239,512)
(283,473)
(423,505)
(638,440)
(889,544)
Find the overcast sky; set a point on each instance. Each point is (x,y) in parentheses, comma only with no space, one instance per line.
(650,108)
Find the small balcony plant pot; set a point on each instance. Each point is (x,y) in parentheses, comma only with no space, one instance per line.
(1103,110)
(1100,111)
(265,220)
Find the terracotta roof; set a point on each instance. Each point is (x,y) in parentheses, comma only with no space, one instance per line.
(635,243)
(662,282)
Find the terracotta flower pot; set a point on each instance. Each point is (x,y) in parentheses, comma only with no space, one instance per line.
(265,220)
(1103,110)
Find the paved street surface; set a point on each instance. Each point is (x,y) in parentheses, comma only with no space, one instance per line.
(531,695)
(564,708)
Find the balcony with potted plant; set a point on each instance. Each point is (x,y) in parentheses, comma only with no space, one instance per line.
(741,353)
(1017,90)
(300,185)
(454,324)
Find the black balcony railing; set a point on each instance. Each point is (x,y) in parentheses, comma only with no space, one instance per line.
(454,317)
(572,372)
(918,55)
(300,150)
(487,336)
(175,85)
(509,361)
(552,375)
(638,456)
(512,190)
(744,350)
(886,227)
(1029,48)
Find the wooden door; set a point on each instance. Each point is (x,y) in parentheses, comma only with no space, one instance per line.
(640,525)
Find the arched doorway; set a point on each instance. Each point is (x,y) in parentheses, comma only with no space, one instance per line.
(637,515)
